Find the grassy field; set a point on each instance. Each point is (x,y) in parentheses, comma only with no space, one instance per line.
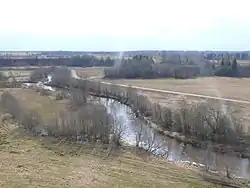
(46,106)
(89,71)
(31,162)
(234,88)
(19,75)
(28,161)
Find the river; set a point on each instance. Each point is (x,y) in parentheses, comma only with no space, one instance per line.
(170,148)
(161,145)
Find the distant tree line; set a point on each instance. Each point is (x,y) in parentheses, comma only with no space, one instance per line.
(228,68)
(80,61)
(145,67)
(231,68)
(176,66)
(89,61)
(220,55)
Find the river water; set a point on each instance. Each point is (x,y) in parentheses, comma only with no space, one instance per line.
(176,152)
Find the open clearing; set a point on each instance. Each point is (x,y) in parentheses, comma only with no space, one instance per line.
(89,72)
(27,161)
(19,73)
(234,88)
(45,106)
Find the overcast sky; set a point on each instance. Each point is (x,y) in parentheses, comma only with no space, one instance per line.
(124,25)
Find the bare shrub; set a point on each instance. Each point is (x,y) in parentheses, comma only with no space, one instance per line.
(78,98)
(40,74)
(31,120)
(143,105)
(28,119)
(88,123)
(117,134)
(60,95)
(131,94)
(139,137)
(167,118)
(162,116)
(11,105)
(61,76)
(3,77)
(146,139)
(207,122)
(190,120)
(44,92)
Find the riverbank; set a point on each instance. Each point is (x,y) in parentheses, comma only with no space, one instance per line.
(222,148)
(235,142)
(45,161)
(121,94)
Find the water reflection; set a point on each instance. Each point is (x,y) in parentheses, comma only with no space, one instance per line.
(170,148)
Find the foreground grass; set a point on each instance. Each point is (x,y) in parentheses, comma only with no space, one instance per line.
(32,162)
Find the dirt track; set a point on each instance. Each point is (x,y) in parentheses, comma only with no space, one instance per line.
(74,74)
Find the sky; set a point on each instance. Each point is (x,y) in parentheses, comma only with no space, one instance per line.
(108,25)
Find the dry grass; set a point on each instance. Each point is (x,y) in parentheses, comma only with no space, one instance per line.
(44,105)
(235,88)
(30,162)
(18,74)
(89,71)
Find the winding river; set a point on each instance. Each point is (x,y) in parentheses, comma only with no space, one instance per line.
(170,148)
(174,151)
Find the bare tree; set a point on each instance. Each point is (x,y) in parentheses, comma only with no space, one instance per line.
(78,97)
(11,105)
(146,139)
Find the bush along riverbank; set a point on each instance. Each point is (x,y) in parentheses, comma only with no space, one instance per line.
(201,125)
